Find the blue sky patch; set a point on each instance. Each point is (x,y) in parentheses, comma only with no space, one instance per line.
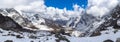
(65,3)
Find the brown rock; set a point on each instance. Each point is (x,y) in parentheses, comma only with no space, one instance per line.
(18,36)
(96,34)
(108,40)
(118,40)
(8,41)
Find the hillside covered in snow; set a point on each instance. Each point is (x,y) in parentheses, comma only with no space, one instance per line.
(35,22)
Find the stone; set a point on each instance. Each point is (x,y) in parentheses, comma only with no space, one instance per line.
(118,40)
(108,40)
(8,41)
(18,36)
(95,34)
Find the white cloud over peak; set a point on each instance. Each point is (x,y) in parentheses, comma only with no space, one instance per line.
(40,7)
(101,7)
(95,7)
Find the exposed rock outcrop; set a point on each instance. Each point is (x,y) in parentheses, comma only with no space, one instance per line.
(7,23)
(108,41)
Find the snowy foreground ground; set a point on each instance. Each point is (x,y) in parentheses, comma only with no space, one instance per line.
(109,34)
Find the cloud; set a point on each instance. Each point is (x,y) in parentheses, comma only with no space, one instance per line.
(13,3)
(36,6)
(40,7)
(33,6)
(95,7)
(101,7)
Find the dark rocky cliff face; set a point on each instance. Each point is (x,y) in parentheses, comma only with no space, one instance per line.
(111,20)
(7,23)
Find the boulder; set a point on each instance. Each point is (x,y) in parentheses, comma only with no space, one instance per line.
(118,40)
